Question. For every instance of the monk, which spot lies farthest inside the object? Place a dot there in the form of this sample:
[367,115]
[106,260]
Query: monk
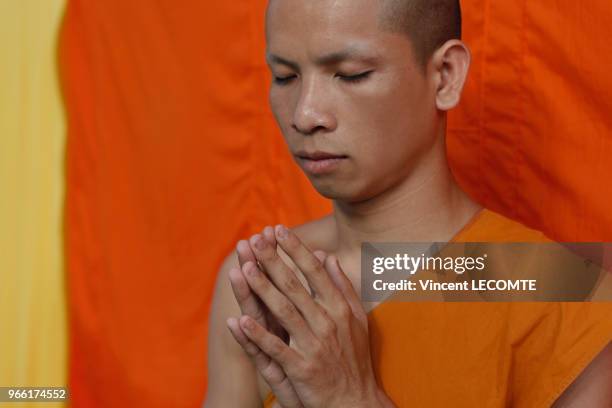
[360,91]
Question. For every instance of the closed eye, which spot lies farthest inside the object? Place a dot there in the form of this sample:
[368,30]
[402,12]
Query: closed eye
[354,78]
[346,78]
[283,80]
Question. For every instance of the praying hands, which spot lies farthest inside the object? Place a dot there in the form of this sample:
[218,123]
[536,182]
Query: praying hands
[312,350]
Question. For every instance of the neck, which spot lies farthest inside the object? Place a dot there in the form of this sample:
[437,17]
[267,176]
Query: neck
[427,206]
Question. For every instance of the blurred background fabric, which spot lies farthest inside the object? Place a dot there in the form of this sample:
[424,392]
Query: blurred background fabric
[531,138]
[32,135]
[172,155]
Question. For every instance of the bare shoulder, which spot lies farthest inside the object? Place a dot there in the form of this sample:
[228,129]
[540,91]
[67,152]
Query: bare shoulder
[318,234]
[592,387]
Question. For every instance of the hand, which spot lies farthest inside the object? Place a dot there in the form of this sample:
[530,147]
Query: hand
[328,361]
[251,306]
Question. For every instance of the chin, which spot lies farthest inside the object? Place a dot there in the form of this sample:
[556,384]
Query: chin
[329,190]
[340,191]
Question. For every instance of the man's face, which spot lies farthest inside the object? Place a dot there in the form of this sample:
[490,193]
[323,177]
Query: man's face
[342,86]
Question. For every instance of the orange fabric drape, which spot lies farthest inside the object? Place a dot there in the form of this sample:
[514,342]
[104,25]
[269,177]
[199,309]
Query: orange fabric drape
[173,155]
[531,137]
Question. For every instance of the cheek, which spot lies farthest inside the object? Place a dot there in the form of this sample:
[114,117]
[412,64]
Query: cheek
[391,108]
[405,115]
[391,132]
[280,106]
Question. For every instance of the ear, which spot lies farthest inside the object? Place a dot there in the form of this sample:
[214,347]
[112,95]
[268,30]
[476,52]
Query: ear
[450,64]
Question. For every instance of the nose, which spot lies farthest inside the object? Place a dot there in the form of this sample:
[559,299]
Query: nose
[313,109]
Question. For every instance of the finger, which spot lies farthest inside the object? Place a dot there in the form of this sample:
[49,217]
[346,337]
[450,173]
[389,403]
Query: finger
[269,369]
[281,307]
[285,280]
[321,255]
[270,344]
[249,347]
[268,234]
[247,301]
[243,249]
[343,283]
[308,263]
[250,305]
[245,254]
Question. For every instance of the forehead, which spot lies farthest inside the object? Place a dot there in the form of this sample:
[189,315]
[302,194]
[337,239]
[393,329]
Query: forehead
[321,25]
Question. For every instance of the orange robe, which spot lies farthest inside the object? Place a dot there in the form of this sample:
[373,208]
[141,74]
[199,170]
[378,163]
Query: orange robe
[478,354]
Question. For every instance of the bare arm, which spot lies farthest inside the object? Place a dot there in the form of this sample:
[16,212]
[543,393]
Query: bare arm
[232,379]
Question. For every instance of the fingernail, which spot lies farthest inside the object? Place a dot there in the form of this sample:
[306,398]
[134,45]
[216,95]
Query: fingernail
[248,324]
[252,270]
[259,243]
[240,246]
[282,232]
[233,274]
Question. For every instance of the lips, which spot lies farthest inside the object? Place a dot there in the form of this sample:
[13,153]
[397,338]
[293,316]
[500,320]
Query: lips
[319,155]
[318,163]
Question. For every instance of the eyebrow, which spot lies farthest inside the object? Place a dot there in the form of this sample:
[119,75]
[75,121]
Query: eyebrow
[333,58]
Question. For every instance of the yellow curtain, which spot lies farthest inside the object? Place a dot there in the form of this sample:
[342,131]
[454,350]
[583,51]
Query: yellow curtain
[32,135]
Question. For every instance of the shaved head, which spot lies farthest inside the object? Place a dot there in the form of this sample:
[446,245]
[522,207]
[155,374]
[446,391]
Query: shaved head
[428,23]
